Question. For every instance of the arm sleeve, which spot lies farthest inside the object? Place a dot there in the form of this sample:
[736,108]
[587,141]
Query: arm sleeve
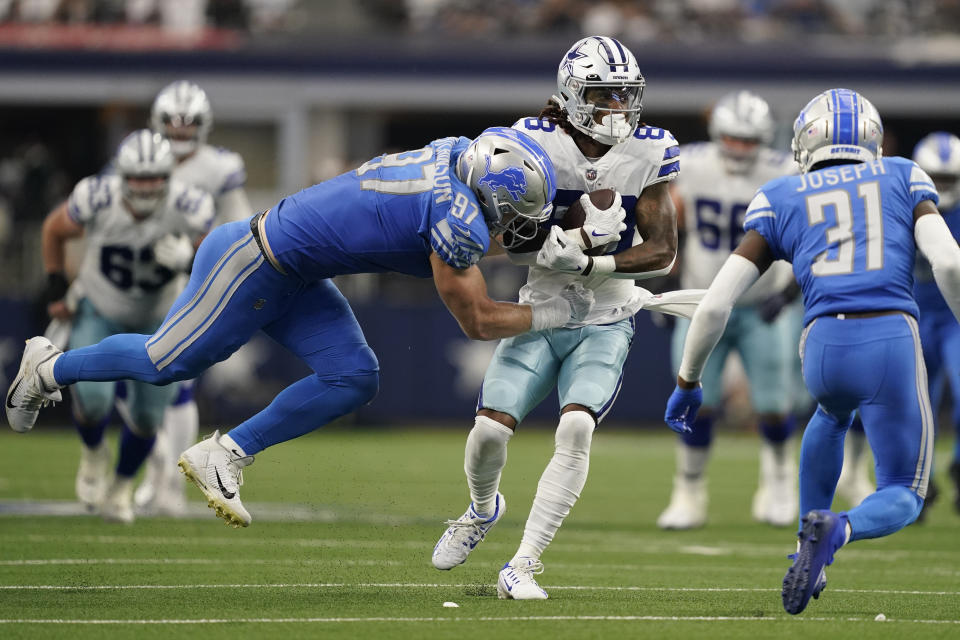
[941,249]
[735,276]
[761,217]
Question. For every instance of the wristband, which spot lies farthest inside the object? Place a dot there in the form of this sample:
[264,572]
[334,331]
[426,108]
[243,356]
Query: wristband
[57,286]
[600,264]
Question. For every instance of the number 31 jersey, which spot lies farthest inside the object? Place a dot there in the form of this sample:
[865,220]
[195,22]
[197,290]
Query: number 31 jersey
[848,230]
[118,274]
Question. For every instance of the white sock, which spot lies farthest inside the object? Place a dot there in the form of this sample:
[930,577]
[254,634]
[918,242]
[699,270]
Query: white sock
[692,461]
[181,424]
[45,371]
[230,445]
[848,530]
[560,484]
[483,459]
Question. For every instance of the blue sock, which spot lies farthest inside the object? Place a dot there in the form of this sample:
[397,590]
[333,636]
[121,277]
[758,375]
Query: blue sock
[886,511]
[92,435]
[305,405]
[821,459]
[134,449]
[777,432]
[702,434]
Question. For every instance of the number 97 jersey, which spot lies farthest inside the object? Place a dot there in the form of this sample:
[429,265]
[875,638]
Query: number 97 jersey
[119,275]
[848,230]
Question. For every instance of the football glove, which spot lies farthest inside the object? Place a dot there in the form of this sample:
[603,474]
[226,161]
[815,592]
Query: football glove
[572,305]
[602,226]
[174,251]
[559,253]
[682,407]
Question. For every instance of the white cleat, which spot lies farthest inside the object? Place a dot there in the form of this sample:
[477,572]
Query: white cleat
[27,395]
[93,475]
[776,501]
[217,472]
[464,534]
[688,505]
[516,581]
[117,505]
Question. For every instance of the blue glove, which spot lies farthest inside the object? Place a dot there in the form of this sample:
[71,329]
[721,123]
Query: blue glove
[682,409]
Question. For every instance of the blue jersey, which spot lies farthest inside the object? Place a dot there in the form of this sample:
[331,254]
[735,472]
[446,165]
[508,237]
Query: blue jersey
[848,231]
[387,215]
[925,289]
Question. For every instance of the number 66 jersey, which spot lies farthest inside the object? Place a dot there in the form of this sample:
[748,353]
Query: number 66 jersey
[848,230]
[119,275]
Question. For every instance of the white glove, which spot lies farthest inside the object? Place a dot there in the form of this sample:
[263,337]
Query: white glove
[173,251]
[572,305]
[561,254]
[602,226]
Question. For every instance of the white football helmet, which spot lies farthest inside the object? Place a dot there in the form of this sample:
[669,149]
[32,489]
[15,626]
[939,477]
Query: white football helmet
[938,154]
[599,76]
[144,164]
[181,112]
[514,182]
[838,124]
[740,123]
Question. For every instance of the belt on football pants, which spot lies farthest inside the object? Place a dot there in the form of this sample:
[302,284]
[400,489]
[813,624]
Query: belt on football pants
[853,315]
[256,229]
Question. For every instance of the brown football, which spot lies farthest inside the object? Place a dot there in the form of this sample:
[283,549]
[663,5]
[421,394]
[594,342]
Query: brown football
[574,216]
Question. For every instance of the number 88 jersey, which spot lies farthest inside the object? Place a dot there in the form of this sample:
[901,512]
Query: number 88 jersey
[118,274]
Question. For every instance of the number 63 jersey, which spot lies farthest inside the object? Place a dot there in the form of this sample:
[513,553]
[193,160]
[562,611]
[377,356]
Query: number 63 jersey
[848,230]
[118,274]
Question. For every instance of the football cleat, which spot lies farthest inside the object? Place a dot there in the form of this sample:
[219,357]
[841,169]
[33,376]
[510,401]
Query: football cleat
[93,475]
[516,581]
[217,472]
[822,532]
[117,505]
[27,395]
[688,505]
[775,501]
[464,534]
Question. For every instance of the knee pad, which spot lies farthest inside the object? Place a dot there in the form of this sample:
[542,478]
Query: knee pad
[575,432]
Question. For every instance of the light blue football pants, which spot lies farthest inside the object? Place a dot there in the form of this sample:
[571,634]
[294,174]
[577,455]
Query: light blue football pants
[232,293]
[585,364]
[874,365]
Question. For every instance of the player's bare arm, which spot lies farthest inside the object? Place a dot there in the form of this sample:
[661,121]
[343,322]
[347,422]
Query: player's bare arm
[58,227]
[656,218]
[464,292]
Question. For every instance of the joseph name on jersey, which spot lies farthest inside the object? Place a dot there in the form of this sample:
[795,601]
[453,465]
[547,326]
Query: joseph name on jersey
[848,230]
[215,170]
[715,203]
[118,274]
[386,215]
[649,156]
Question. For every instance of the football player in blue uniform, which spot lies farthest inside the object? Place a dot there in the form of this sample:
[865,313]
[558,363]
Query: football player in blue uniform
[939,155]
[426,212]
[850,224]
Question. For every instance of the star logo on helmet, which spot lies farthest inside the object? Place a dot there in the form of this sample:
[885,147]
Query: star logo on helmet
[572,56]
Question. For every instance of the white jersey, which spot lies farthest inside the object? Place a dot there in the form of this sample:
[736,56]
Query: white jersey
[219,172]
[118,274]
[649,156]
[714,204]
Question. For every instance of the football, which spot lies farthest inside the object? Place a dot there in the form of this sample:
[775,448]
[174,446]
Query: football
[575,216]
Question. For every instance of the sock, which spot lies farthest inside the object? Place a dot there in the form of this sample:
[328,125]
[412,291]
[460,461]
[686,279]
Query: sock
[228,443]
[561,482]
[45,371]
[692,461]
[484,458]
[134,449]
[92,435]
[181,425]
[702,435]
[777,431]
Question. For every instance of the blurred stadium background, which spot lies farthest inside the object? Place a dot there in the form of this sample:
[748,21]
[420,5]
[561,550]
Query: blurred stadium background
[305,89]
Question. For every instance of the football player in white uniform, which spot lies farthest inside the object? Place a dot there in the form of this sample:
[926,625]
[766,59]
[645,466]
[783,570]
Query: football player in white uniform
[181,112]
[141,227]
[590,131]
[719,180]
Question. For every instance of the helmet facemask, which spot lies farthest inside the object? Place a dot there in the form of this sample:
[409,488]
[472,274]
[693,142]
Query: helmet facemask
[144,164]
[181,112]
[741,124]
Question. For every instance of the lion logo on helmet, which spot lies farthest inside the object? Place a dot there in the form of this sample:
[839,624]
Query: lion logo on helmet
[510,178]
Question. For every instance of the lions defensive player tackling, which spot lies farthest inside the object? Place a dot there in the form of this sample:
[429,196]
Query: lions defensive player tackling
[128,279]
[590,132]
[718,181]
[850,224]
[429,211]
[181,113]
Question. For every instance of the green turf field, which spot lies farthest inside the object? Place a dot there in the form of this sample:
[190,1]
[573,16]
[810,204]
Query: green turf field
[365,507]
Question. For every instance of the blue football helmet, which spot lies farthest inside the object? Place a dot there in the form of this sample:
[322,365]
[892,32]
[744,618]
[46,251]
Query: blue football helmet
[838,124]
[514,182]
[938,154]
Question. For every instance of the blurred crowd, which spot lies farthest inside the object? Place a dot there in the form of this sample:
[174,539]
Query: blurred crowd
[633,20]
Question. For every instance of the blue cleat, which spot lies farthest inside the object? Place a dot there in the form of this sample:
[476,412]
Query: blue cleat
[821,534]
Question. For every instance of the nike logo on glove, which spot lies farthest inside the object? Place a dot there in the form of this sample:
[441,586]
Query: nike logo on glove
[597,235]
[10,405]
[226,494]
